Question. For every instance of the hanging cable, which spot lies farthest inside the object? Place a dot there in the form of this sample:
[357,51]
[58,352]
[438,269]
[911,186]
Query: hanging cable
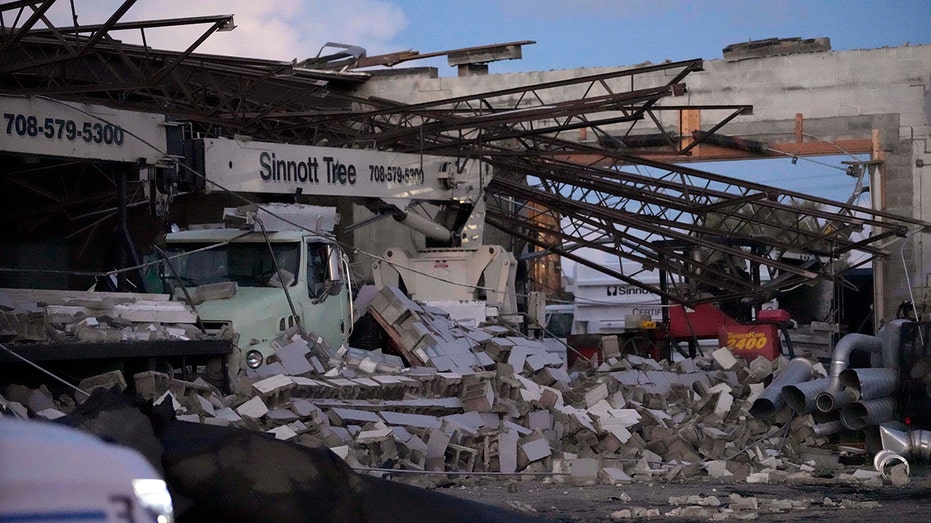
[42,370]
[281,280]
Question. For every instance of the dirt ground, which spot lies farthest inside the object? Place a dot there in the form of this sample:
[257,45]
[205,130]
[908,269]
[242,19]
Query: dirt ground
[825,500]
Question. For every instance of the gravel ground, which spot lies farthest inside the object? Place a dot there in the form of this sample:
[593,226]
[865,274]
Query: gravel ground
[818,500]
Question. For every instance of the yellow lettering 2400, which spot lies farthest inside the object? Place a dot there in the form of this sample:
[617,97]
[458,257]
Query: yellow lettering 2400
[746,341]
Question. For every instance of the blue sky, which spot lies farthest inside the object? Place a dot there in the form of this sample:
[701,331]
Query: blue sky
[568,33]
[586,33]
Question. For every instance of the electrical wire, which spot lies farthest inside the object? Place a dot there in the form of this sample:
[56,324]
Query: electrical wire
[40,369]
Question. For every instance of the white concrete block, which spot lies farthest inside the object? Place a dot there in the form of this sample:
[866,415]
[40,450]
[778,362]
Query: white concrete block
[255,408]
[536,449]
[507,451]
[273,384]
[283,432]
[725,358]
[228,414]
[50,413]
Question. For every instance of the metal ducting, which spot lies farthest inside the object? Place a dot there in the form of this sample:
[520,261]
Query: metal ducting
[864,413]
[801,396]
[798,370]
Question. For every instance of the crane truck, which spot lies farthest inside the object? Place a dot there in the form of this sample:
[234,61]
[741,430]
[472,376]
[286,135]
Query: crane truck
[309,269]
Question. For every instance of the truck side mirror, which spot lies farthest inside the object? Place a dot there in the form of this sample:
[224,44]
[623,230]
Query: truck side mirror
[334,287]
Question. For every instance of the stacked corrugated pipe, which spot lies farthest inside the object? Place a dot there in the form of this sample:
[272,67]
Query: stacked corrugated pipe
[851,399]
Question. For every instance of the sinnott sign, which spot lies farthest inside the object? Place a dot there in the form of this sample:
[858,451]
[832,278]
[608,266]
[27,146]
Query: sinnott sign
[261,167]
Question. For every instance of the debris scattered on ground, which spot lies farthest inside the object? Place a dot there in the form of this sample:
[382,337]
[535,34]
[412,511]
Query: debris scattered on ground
[488,400]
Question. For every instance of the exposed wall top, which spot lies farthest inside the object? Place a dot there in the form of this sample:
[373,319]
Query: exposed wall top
[774,47]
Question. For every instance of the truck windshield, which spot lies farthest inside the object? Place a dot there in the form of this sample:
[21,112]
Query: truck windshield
[247,264]
[559,324]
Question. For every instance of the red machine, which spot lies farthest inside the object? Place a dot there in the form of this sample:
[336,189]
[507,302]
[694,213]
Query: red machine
[751,341]
[748,341]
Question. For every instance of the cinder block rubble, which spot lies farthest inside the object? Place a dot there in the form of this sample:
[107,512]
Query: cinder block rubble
[486,399]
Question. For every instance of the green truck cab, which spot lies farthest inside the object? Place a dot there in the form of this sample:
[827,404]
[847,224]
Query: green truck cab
[260,283]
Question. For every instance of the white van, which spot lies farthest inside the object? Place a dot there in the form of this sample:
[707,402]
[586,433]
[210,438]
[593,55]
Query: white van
[51,472]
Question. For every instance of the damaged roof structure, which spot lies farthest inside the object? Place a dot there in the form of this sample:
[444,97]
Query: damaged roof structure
[676,219]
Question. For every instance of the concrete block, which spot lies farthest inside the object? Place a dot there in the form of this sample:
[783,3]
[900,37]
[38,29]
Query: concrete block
[283,432]
[345,453]
[227,414]
[17,393]
[216,422]
[517,356]
[507,450]
[367,365]
[469,424]
[596,394]
[40,399]
[461,458]
[417,451]
[19,410]
[107,380]
[410,420]
[610,347]
[275,390]
[758,477]
[437,442]
[213,291]
[540,419]
[412,332]
[281,416]
[369,436]
[761,367]
[534,447]
[723,403]
[168,396]
[272,385]
[725,358]
[200,405]
[341,416]
[867,476]
[294,358]
[738,502]
[584,471]
[556,373]
[303,407]
[717,469]
[150,384]
[254,408]
[443,363]
[614,476]
[477,396]
[690,513]
[484,360]
[535,362]
[50,413]
[550,397]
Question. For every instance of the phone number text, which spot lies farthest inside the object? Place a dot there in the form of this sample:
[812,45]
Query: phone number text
[61,129]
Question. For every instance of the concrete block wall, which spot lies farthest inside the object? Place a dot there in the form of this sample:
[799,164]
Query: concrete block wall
[819,85]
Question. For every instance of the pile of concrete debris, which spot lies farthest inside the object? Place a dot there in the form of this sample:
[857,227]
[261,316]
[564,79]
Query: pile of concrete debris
[486,399]
[28,315]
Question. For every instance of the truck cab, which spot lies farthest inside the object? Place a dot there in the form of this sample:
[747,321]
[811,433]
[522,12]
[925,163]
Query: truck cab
[274,280]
